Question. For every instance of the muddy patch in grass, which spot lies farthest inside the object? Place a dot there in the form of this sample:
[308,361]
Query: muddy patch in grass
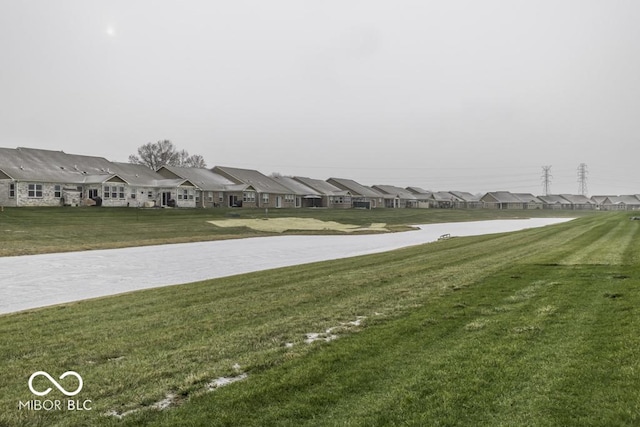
[172,399]
[328,334]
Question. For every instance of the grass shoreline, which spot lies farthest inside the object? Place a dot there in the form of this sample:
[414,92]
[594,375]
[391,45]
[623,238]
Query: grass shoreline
[28,231]
[485,330]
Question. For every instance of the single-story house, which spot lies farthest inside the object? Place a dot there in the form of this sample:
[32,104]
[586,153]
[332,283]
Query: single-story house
[579,202]
[149,188]
[306,197]
[599,200]
[361,195]
[468,200]
[444,200]
[331,196]
[421,195]
[501,200]
[210,188]
[621,203]
[254,189]
[529,201]
[34,177]
[396,197]
[555,201]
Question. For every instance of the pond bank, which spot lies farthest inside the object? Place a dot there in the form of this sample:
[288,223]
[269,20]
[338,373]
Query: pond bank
[33,281]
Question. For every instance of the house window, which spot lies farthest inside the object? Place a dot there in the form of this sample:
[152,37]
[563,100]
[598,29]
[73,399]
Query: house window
[265,197]
[12,190]
[35,191]
[113,192]
[183,195]
[249,196]
[221,197]
[93,193]
[57,191]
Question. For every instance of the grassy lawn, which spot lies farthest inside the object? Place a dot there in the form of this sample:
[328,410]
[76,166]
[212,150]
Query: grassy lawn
[40,230]
[537,327]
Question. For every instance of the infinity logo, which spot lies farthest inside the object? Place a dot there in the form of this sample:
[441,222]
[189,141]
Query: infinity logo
[55,383]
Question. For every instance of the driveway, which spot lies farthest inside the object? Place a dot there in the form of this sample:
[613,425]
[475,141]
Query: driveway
[32,281]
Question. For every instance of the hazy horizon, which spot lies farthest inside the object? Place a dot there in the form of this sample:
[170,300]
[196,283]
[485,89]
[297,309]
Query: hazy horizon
[444,95]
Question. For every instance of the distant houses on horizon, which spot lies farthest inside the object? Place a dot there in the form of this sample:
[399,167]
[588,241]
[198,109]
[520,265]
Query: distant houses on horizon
[35,177]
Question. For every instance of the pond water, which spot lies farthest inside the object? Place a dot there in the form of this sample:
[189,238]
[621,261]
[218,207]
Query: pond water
[40,280]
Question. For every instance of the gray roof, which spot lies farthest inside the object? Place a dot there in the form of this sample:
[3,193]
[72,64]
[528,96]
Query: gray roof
[29,164]
[203,178]
[445,196]
[420,193]
[578,199]
[554,199]
[467,197]
[101,179]
[394,191]
[296,187]
[260,182]
[142,176]
[504,197]
[418,190]
[623,200]
[322,187]
[355,188]
[600,199]
[528,198]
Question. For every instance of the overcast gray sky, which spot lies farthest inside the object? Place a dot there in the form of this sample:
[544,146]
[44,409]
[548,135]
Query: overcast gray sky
[471,95]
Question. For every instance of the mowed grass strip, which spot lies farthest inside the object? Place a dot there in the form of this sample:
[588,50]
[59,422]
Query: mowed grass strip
[557,357]
[470,331]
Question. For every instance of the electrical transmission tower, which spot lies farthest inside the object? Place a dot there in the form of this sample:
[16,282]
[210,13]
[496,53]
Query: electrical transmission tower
[546,179]
[582,179]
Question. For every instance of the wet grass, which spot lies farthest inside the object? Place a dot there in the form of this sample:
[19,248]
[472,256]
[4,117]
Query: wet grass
[525,328]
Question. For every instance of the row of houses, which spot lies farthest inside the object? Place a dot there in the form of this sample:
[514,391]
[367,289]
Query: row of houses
[34,177]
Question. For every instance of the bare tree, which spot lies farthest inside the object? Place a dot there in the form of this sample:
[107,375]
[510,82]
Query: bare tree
[195,161]
[279,175]
[161,153]
[182,157]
